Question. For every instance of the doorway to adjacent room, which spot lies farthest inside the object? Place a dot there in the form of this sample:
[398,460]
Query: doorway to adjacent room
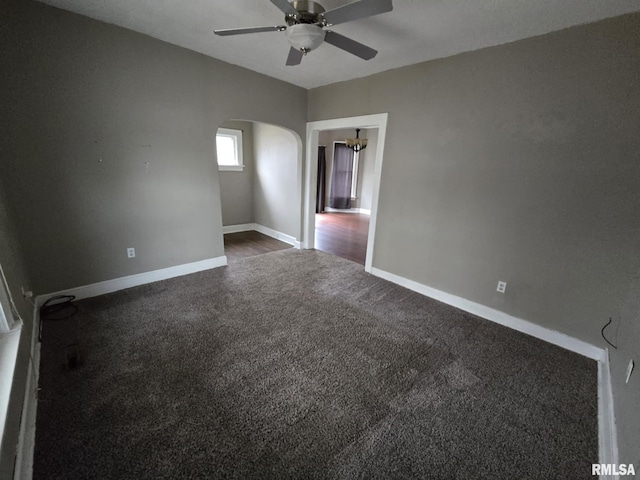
[347,232]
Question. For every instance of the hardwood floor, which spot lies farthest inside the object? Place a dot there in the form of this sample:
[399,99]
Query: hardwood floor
[343,234]
[247,244]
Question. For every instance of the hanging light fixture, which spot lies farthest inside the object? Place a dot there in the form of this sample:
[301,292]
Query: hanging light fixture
[305,37]
[356,144]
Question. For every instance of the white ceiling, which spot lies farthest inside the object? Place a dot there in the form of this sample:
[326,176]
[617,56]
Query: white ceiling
[415,31]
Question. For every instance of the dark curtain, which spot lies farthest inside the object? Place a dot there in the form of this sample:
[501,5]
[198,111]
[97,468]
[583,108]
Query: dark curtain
[321,191]
[340,195]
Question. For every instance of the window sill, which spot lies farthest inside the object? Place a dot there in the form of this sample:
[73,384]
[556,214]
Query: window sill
[231,168]
[8,354]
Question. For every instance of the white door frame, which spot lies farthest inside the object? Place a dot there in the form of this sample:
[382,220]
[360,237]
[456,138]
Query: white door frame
[378,121]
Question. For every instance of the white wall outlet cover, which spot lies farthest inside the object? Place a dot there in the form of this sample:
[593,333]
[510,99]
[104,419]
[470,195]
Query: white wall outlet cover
[131,252]
[629,370]
[502,286]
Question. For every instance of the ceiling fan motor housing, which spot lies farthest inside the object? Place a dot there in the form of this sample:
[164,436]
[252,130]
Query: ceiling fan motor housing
[308,12]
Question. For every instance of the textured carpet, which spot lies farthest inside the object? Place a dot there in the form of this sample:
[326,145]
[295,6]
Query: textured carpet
[297,364]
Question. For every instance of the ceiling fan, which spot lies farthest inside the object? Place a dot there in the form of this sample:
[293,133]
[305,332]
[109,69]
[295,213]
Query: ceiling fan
[305,26]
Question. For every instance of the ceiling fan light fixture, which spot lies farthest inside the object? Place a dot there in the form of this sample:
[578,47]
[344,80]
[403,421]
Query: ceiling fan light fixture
[305,37]
[356,144]
[306,20]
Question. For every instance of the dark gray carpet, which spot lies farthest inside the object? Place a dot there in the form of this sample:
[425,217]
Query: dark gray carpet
[297,364]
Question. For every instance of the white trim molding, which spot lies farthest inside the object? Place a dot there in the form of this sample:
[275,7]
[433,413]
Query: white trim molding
[379,121]
[26,445]
[363,211]
[238,158]
[9,343]
[607,434]
[116,284]
[243,227]
[231,168]
[270,232]
[27,437]
[488,313]
[283,237]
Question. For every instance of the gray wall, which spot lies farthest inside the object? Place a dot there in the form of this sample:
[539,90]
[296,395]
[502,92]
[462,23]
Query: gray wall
[516,163]
[267,191]
[108,144]
[277,180]
[366,162]
[236,188]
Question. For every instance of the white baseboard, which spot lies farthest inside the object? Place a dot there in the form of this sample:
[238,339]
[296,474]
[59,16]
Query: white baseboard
[26,444]
[243,227]
[116,284]
[27,439]
[247,227]
[364,211]
[607,434]
[277,235]
[524,326]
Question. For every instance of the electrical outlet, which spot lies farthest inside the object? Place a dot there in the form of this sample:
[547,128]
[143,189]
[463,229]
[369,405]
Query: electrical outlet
[502,286]
[131,252]
[629,370]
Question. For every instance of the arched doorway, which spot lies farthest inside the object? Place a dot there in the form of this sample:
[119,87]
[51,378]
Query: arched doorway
[260,189]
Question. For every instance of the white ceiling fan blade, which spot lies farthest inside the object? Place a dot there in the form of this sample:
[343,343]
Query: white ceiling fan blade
[355,48]
[285,6]
[356,11]
[295,57]
[241,31]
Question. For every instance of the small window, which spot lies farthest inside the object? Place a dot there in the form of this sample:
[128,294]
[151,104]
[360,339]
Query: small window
[229,149]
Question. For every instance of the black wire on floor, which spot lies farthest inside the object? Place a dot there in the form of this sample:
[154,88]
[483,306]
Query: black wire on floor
[62,309]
